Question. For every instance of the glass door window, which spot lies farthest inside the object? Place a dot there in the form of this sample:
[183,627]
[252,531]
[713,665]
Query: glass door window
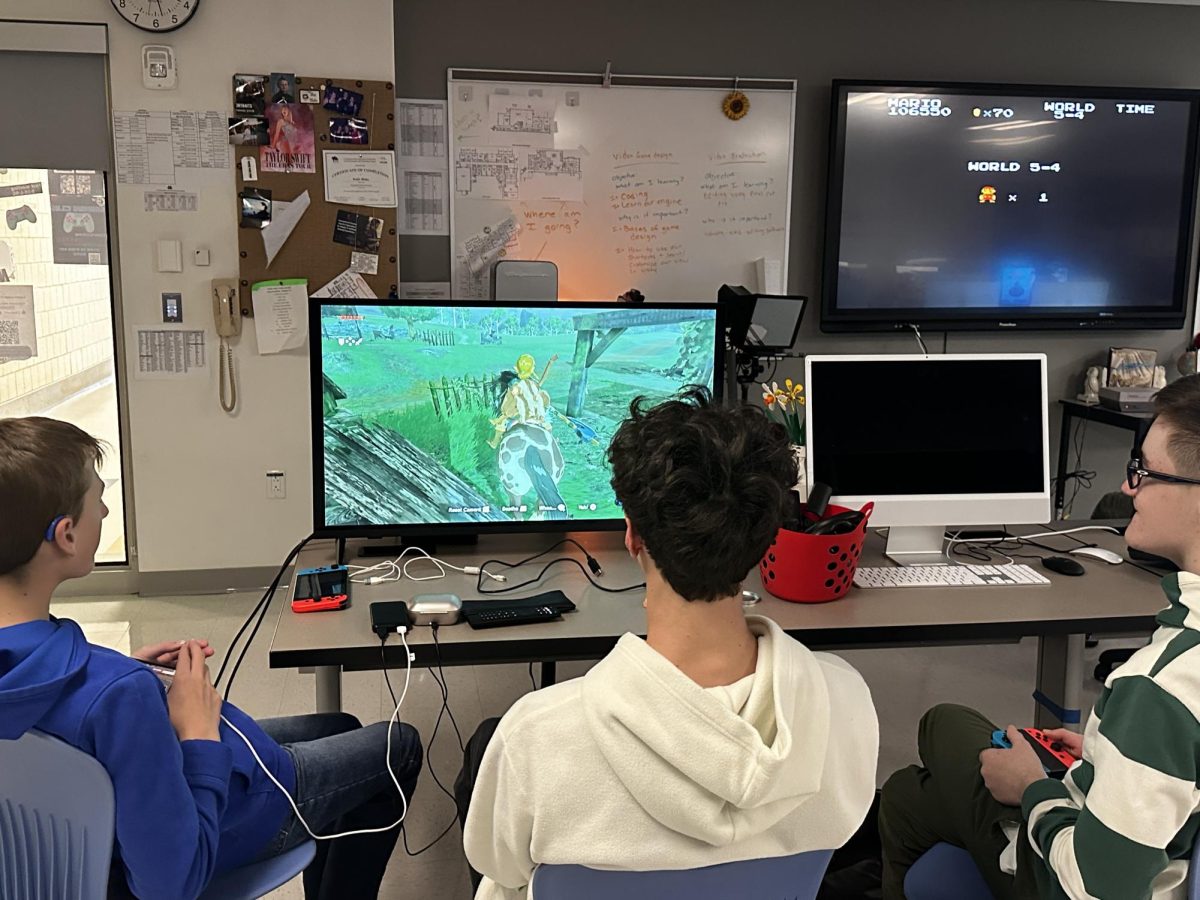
[57,343]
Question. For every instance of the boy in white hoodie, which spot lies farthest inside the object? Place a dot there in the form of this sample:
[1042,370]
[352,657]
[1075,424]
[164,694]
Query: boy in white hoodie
[718,737]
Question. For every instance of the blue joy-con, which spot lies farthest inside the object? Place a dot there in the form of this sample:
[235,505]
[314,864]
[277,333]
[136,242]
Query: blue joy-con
[1000,739]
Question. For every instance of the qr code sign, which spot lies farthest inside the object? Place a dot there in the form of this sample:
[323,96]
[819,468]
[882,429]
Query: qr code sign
[94,258]
[10,332]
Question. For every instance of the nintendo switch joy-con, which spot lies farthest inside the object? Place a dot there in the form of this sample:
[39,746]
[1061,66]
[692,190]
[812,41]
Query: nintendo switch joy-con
[318,590]
[1051,754]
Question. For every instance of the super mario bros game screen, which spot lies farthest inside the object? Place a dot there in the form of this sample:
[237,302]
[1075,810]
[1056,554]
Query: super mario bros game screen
[950,199]
[490,414]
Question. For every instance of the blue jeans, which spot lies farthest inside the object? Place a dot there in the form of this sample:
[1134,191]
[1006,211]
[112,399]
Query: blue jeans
[342,784]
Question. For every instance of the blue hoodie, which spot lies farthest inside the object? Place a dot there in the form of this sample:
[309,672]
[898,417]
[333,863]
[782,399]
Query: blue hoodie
[185,811]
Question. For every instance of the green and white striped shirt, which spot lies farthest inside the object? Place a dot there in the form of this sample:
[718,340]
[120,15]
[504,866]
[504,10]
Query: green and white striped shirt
[1123,822]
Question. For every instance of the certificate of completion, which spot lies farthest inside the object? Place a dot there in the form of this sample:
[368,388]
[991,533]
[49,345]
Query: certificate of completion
[360,177]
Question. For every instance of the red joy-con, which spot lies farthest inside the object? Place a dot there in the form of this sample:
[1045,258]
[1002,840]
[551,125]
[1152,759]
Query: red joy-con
[319,604]
[1052,753]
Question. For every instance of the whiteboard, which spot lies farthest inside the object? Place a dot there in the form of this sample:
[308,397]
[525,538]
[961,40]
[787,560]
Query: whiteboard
[628,186]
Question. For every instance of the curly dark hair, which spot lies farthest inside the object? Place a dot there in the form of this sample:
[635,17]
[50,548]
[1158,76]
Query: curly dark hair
[705,486]
[1178,405]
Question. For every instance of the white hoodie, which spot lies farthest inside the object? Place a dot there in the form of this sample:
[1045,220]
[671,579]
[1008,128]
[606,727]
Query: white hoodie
[636,767]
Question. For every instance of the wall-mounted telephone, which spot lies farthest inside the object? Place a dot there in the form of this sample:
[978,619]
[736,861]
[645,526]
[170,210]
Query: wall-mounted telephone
[226,309]
[227,313]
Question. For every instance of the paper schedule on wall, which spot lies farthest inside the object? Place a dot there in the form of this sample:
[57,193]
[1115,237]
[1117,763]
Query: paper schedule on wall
[636,185]
[280,314]
[422,167]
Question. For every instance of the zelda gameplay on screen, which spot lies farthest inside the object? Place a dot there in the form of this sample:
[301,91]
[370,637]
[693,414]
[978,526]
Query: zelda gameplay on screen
[491,414]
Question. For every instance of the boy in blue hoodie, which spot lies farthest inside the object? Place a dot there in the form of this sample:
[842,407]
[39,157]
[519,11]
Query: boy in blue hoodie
[191,801]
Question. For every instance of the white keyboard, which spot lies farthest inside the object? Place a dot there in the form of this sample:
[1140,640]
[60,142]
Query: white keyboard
[945,576]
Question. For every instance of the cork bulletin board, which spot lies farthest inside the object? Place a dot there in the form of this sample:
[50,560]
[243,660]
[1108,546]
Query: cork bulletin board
[310,251]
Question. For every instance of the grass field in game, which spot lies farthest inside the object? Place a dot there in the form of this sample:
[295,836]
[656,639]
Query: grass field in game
[431,375]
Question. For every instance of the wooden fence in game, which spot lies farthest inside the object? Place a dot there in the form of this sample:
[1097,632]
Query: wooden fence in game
[452,396]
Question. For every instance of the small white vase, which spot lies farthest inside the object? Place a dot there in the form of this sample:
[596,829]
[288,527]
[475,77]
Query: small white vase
[801,455]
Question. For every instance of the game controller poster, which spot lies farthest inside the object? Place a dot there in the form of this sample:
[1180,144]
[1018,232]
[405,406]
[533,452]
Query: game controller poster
[79,225]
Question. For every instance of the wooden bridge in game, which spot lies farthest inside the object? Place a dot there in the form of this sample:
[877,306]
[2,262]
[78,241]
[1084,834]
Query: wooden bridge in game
[596,332]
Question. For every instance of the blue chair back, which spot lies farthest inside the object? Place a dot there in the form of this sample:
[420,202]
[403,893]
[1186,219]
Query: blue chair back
[260,878]
[1193,881]
[56,821]
[780,878]
[945,872]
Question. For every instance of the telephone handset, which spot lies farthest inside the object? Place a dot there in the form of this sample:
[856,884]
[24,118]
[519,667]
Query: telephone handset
[227,313]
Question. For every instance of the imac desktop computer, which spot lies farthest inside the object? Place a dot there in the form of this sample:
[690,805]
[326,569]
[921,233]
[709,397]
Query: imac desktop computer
[435,420]
[934,441]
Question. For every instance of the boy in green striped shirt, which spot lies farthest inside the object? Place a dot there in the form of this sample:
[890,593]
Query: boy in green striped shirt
[1123,822]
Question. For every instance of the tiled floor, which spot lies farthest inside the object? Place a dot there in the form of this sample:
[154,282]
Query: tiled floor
[995,678]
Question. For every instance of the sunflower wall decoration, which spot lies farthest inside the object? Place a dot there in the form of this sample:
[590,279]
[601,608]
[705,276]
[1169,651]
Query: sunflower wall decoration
[735,105]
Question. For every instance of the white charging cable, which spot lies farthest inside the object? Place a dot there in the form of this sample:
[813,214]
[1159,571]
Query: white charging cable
[394,719]
[394,571]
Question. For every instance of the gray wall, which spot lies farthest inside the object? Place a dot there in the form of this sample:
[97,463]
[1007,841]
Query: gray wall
[1040,41]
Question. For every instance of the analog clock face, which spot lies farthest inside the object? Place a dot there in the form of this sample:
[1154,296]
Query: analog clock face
[157,15]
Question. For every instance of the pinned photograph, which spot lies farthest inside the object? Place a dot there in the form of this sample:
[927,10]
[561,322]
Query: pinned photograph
[363,233]
[342,100]
[283,87]
[249,94]
[256,207]
[348,130]
[290,142]
[250,131]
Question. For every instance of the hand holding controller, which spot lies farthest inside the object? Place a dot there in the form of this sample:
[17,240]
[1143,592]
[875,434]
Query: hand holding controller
[1052,753]
[193,703]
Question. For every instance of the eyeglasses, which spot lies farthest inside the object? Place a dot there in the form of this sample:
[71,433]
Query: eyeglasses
[1135,472]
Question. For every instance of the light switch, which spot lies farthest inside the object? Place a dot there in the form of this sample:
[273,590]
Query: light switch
[203,257]
[170,256]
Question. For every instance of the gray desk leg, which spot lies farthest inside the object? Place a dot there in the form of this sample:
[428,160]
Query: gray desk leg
[1059,681]
[329,688]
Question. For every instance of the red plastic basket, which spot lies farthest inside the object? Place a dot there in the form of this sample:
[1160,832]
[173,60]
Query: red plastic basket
[814,568]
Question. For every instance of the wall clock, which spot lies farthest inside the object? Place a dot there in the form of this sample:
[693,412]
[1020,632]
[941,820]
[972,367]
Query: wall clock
[156,15]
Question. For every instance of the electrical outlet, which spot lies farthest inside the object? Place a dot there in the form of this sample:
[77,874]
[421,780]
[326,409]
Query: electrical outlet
[276,485]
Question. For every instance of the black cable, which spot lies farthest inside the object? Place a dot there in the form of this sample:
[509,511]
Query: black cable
[437,646]
[1080,477]
[532,680]
[508,589]
[261,609]
[429,753]
[592,563]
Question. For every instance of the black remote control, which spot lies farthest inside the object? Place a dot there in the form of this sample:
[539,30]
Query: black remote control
[512,615]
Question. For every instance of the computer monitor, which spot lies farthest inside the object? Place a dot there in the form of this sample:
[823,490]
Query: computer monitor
[460,417]
[934,441]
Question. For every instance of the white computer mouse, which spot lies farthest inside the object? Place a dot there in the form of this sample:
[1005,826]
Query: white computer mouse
[1109,556]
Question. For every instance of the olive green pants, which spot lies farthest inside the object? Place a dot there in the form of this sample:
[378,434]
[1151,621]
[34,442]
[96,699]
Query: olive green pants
[945,800]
